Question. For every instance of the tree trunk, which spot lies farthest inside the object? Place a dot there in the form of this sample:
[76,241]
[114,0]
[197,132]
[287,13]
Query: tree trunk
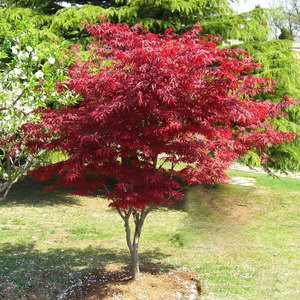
[135,264]
[133,243]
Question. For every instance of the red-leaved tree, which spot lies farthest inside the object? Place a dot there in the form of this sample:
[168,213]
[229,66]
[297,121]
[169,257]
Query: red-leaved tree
[148,100]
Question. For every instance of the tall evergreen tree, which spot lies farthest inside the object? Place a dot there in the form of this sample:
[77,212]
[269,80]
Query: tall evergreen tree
[160,15]
[279,62]
[248,26]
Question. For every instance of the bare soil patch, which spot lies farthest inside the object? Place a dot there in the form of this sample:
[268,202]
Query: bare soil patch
[116,283]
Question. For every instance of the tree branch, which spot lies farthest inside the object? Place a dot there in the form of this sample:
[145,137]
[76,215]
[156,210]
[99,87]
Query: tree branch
[106,188]
[121,214]
[151,207]
[155,162]
[15,101]
[127,214]
[12,182]
[3,186]
[162,164]
[184,187]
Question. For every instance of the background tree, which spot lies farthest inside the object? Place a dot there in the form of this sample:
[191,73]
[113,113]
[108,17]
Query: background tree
[46,6]
[173,95]
[278,61]
[65,25]
[216,18]
[154,15]
[285,17]
[285,34]
[27,81]
[10,18]
[246,27]
[160,15]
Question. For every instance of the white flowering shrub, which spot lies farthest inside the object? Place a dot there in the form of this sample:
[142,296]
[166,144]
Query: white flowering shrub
[28,77]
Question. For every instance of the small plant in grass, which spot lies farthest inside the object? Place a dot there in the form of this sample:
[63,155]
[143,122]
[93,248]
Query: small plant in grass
[173,97]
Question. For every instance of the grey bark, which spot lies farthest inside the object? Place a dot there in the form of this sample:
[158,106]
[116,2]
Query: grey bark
[133,241]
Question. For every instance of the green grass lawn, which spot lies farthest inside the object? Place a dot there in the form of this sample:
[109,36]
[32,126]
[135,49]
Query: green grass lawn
[242,242]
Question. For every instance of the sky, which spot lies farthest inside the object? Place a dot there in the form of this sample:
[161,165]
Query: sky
[247,5]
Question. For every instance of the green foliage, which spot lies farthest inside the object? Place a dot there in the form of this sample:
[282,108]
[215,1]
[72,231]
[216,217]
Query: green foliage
[286,34]
[46,6]
[10,18]
[160,15]
[68,22]
[249,26]
[156,16]
[279,62]
[287,155]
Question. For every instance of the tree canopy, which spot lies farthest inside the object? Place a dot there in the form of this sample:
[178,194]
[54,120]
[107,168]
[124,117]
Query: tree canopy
[248,26]
[160,15]
[154,15]
[148,100]
[215,16]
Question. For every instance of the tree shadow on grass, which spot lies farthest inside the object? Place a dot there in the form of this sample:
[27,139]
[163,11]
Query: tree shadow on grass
[209,196]
[29,273]
[31,192]
[180,205]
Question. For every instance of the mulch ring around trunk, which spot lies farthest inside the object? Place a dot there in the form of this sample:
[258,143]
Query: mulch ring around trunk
[116,283]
